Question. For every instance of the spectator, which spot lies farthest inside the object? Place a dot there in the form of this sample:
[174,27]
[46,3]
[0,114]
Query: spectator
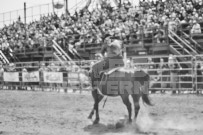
[53,68]
[12,68]
[173,66]
[196,29]
[90,27]
[25,84]
[98,56]
[42,69]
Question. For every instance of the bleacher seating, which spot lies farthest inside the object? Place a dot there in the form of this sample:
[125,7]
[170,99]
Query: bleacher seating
[139,26]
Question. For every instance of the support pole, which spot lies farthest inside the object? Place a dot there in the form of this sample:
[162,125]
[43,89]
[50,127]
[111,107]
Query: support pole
[66,8]
[25,17]
[120,3]
[53,6]
[25,12]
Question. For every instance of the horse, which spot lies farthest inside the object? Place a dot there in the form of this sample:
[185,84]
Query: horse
[120,82]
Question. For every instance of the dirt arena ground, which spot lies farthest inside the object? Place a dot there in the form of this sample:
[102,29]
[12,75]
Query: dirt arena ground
[51,113]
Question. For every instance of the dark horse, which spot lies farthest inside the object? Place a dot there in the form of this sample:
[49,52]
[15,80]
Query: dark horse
[121,82]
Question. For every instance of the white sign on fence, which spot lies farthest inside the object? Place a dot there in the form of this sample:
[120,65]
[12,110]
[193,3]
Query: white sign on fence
[11,76]
[30,76]
[53,77]
[73,75]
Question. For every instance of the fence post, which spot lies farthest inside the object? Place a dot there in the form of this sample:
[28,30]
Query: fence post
[66,8]
[25,12]
[25,20]
[166,37]
[80,80]
[195,86]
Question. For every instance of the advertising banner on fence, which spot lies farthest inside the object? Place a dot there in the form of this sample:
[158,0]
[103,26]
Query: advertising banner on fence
[72,75]
[30,76]
[53,77]
[11,76]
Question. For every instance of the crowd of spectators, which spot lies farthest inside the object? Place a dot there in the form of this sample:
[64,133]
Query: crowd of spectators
[126,22]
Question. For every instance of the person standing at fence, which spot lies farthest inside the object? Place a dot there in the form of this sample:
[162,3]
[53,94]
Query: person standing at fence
[151,67]
[163,71]
[25,84]
[42,69]
[53,68]
[1,76]
[174,67]
[65,69]
[12,68]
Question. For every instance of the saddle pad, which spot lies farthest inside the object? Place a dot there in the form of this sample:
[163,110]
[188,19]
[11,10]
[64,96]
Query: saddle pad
[123,71]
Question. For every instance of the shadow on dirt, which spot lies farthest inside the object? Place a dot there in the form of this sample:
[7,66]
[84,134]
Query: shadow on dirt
[99,129]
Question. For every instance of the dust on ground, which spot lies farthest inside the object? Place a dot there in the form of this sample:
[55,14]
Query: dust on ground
[51,113]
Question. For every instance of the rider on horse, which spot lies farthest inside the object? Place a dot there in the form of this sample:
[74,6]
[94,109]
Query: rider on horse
[132,83]
[113,58]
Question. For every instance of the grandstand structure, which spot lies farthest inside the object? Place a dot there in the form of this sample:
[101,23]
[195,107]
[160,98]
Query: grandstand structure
[79,34]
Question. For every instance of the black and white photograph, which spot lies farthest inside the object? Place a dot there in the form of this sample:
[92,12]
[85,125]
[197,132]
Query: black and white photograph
[101,67]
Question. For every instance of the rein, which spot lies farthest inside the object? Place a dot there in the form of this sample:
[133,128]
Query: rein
[105,101]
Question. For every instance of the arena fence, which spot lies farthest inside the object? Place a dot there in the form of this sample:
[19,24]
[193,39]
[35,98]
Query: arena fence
[186,75]
[177,75]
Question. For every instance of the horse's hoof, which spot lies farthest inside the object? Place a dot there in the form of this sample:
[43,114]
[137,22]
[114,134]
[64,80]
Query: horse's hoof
[89,117]
[96,122]
[120,124]
[130,121]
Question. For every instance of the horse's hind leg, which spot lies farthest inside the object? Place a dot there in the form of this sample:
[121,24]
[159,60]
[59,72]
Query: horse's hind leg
[136,98]
[126,101]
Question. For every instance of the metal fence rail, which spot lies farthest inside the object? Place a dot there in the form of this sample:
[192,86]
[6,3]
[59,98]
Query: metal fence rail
[186,77]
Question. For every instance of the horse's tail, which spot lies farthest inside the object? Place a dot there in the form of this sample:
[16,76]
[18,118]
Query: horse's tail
[145,99]
[145,94]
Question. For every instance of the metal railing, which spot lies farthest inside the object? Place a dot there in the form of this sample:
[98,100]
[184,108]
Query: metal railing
[163,76]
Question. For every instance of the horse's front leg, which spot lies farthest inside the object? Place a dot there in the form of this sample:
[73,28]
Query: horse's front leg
[91,114]
[97,98]
[94,95]
[96,107]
